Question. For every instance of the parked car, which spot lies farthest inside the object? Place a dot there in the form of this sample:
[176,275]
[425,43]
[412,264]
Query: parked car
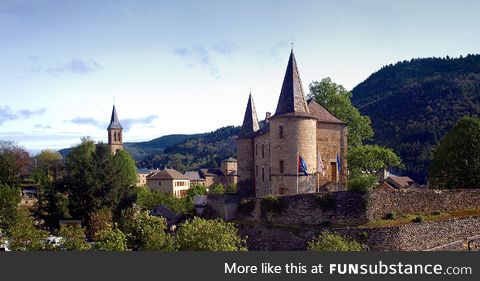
[4,246]
[53,241]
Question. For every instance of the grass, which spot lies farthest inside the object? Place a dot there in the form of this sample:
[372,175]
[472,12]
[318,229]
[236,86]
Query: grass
[410,218]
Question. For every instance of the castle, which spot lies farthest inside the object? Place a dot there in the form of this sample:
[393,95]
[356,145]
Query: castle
[300,149]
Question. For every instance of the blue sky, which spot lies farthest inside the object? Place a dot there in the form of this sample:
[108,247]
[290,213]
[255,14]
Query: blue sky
[188,66]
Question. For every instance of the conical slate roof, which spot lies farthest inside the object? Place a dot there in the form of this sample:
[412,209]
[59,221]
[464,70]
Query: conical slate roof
[292,99]
[114,123]
[250,121]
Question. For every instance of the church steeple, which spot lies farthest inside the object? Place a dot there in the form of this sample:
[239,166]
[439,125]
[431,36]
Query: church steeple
[115,132]
[114,123]
[292,97]
[250,120]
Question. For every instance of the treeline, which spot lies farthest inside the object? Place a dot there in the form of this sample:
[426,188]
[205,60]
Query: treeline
[412,104]
[203,151]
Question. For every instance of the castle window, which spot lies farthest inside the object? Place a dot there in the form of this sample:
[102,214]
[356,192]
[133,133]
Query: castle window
[256,170]
[263,174]
[270,173]
[115,136]
[281,166]
[263,151]
[280,132]
[256,149]
[268,149]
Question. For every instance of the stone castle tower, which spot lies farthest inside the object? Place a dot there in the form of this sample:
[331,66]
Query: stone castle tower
[268,151]
[115,133]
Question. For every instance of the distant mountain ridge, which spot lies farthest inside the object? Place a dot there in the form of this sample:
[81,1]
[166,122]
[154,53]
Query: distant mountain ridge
[184,152]
[412,104]
[140,150]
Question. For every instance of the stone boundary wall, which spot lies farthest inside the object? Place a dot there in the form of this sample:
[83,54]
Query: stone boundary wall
[415,236]
[420,201]
[341,208]
[409,237]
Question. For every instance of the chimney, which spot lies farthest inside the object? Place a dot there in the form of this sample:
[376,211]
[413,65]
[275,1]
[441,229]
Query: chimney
[267,116]
[383,174]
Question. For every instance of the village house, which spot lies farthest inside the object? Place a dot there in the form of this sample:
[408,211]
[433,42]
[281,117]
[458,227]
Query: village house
[225,175]
[169,181]
[142,174]
[195,178]
[300,149]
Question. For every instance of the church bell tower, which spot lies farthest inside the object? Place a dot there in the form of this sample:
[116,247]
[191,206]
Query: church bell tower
[115,133]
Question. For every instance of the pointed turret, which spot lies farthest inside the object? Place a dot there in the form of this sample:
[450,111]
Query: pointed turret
[114,123]
[292,98]
[250,121]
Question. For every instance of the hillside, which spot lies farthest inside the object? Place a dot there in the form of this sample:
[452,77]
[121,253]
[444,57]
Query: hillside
[198,151]
[140,150]
[412,104]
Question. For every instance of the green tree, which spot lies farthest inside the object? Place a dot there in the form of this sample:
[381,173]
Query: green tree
[9,200]
[95,179]
[362,183]
[52,200]
[370,159]
[196,189]
[110,240]
[24,235]
[231,188]
[149,199]
[216,189]
[337,100]
[456,161]
[209,235]
[74,237]
[48,166]
[145,232]
[330,242]
[100,220]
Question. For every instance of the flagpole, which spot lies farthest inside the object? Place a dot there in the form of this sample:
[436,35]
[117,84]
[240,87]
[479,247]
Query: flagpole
[298,163]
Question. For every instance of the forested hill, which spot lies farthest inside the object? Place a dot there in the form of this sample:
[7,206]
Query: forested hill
[412,104]
[199,151]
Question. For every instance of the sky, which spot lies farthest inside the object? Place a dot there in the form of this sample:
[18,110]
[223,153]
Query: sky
[181,67]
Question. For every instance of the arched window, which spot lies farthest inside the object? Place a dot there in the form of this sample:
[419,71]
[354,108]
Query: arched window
[114,136]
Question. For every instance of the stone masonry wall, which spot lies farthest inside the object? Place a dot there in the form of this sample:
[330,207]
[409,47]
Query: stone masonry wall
[352,208]
[415,236]
[420,201]
[409,237]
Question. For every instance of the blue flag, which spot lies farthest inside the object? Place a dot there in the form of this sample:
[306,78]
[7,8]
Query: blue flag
[339,163]
[302,166]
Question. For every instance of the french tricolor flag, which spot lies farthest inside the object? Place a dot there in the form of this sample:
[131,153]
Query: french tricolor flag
[301,165]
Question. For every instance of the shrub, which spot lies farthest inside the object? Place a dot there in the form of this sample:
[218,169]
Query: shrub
[231,188]
[100,220]
[145,232]
[362,183]
[110,240]
[332,242]
[272,203]
[419,219]
[74,237]
[391,216]
[208,235]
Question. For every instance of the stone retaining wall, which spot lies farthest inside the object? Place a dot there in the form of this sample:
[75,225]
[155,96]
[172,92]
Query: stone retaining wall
[342,208]
[409,237]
